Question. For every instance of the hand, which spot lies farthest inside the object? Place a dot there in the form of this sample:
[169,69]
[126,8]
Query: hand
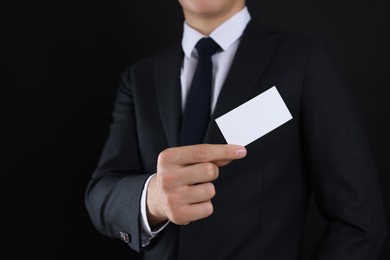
[182,189]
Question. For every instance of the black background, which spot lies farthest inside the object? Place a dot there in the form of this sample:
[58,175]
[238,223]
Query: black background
[60,65]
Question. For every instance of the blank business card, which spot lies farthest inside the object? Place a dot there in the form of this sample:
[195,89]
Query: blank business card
[254,118]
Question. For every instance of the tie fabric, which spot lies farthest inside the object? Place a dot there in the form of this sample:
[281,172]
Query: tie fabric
[196,114]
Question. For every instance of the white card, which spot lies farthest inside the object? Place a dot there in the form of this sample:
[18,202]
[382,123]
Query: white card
[255,118]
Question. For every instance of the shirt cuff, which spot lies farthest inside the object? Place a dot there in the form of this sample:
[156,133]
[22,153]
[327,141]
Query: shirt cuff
[147,234]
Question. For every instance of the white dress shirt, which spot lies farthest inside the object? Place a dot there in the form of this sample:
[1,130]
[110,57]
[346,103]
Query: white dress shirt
[227,36]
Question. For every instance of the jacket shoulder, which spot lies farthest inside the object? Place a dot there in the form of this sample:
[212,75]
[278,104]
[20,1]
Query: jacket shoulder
[172,50]
[290,40]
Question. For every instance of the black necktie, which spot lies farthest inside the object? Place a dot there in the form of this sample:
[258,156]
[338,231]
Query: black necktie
[197,109]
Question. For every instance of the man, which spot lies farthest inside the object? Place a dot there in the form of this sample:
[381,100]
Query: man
[170,198]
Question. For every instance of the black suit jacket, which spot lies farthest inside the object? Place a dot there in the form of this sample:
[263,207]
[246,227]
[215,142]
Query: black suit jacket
[261,201]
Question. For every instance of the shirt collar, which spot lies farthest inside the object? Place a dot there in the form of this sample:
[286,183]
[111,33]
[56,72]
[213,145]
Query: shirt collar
[225,34]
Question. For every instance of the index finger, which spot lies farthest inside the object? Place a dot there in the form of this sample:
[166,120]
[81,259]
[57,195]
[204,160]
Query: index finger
[201,153]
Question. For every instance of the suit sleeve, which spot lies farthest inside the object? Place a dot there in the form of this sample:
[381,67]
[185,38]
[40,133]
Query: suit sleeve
[114,191]
[340,164]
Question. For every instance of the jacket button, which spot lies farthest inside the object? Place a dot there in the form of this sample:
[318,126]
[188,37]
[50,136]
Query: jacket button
[125,237]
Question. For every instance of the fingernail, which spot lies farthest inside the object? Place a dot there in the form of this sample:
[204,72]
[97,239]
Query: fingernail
[241,153]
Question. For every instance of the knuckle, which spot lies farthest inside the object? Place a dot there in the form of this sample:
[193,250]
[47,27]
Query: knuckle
[227,152]
[211,190]
[208,209]
[200,152]
[165,156]
[211,171]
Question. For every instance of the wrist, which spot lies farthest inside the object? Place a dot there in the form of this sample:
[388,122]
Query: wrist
[154,212]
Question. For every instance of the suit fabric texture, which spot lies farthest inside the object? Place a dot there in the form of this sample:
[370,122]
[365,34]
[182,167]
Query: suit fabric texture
[261,201]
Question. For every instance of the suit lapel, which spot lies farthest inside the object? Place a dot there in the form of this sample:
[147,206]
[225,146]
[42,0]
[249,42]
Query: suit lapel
[252,57]
[166,69]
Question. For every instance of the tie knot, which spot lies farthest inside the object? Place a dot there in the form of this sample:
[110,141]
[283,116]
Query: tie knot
[207,46]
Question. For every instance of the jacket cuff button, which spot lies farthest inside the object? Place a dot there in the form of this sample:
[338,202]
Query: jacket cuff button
[125,237]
